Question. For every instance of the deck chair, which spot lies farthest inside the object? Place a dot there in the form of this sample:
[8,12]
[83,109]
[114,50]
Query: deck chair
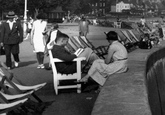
[57,77]
[130,32]
[76,42]
[7,107]
[13,101]
[124,32]
[101,51]
[123,39]
[137,34]
[6,83]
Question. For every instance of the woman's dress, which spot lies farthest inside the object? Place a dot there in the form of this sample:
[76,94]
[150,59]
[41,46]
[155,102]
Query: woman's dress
[39,27]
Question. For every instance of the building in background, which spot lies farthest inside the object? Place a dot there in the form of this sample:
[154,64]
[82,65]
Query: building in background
[56,15]
[118,7]
[98,7]
[122,6]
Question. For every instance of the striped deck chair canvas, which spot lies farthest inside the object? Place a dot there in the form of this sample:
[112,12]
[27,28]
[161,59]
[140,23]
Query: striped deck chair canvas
[121,37]
[124,32]
[77,41]
[70,48]
[73,45]
[101,51]
[135,39]
[86,42]
[120,40]
[137,34]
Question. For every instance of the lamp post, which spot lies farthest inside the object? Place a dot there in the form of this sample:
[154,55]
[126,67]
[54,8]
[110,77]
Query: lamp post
[25,18]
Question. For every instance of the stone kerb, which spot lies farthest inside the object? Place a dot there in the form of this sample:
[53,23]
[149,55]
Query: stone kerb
[125,93]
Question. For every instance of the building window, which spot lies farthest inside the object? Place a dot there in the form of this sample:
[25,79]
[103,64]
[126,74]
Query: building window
[96,4]
[103,11]
[103,4]
[100,4]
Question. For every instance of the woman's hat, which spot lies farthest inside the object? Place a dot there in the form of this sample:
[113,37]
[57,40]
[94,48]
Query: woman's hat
[111,35]
[11,14]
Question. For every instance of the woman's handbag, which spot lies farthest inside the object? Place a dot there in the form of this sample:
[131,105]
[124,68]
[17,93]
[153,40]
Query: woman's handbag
[2,50]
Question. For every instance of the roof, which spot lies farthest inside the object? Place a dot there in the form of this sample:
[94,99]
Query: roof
[58,9]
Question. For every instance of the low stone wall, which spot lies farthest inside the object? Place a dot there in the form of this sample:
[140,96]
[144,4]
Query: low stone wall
[126,93]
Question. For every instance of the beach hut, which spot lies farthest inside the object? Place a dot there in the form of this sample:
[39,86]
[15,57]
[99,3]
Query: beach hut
[56,15]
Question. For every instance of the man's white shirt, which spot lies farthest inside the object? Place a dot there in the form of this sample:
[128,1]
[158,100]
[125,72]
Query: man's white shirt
[11,23]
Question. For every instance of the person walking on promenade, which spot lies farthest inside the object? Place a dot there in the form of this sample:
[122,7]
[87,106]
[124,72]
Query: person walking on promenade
[143,21]
[11,37]
[115,62]
[29,27]
[83,27]
[37,38]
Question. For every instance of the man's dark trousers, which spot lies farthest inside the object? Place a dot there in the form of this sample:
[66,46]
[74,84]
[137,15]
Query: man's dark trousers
[14,50]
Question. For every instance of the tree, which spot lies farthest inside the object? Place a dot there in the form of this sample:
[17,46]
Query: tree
[6,5]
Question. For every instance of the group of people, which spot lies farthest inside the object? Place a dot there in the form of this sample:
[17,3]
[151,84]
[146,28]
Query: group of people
[100,69]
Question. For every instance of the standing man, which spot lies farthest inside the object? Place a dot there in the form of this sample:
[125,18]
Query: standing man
[83,27]
[11,37]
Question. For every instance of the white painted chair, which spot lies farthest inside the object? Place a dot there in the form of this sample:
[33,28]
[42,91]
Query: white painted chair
[58,77]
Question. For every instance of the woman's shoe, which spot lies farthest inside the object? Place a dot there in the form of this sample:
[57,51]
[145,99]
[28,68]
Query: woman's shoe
[84,80]
[39,66]
[42,66]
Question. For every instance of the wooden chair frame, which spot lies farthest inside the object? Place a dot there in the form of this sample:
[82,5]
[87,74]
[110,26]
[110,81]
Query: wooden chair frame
[5,83]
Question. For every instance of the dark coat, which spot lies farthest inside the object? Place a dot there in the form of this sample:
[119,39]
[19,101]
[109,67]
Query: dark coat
[11,36]
[68,66]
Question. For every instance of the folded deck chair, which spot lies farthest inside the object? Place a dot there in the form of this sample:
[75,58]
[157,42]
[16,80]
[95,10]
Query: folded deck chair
[7,107]
[6,83]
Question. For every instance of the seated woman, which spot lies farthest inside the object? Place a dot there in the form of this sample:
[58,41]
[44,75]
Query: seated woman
[115,62]
[59,51]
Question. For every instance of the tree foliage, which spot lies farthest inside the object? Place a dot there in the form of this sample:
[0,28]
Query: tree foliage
[36,6]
